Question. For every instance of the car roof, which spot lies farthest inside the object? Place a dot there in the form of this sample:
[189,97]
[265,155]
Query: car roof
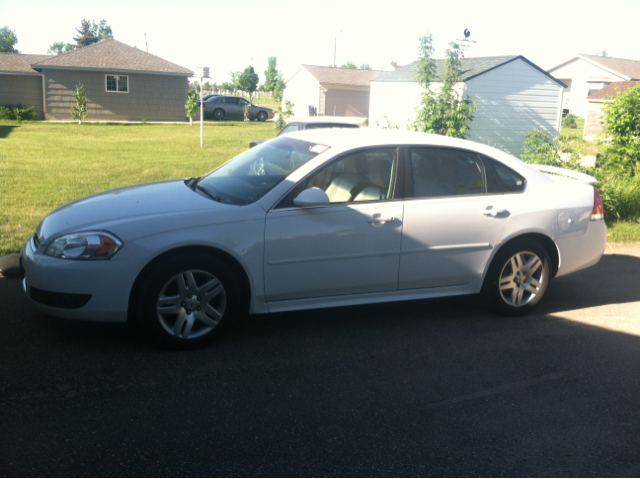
[324,122]
[353,138]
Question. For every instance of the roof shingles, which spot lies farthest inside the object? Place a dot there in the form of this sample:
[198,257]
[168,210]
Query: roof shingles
[343,76]
[19,62]
[629,68]
[610,91]
[111,55]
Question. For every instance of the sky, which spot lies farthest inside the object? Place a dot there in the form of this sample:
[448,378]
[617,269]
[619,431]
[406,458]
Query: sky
[228,35]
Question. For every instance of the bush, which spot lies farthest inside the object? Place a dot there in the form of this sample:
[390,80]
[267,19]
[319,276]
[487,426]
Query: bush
[18,112]
[569,121]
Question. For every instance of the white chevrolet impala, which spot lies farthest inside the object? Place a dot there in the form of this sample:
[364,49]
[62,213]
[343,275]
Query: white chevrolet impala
[311,220]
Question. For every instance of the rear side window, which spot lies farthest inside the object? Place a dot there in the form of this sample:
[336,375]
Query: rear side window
[509,180]
[439,172]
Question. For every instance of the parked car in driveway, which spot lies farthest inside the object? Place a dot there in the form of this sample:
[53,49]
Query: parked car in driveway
[316,219]
[307,125]
[223,107]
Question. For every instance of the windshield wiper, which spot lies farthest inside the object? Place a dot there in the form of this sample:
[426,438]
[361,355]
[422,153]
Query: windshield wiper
[190,182]
[208,193]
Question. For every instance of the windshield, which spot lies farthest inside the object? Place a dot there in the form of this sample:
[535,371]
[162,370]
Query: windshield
[250,175]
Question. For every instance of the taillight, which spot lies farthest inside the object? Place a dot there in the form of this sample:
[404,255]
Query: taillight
[598,209]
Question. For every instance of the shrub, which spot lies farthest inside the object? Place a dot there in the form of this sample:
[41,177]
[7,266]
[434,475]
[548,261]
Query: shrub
[569,121]
[17,112]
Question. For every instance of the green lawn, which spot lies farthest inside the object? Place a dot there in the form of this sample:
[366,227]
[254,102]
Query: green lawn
[574,140]
[46,165]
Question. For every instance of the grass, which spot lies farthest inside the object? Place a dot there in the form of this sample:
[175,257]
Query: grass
[46,165]
[624,232]
[572,138]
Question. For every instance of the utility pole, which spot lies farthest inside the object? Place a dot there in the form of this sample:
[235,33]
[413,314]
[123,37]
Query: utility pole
[146,43]
[204,73]
[335,42]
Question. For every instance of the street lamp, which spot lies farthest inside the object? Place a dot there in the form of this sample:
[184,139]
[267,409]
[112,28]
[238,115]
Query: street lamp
[202,72]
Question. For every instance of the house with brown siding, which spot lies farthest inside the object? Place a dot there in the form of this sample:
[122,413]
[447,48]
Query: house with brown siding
[122,83]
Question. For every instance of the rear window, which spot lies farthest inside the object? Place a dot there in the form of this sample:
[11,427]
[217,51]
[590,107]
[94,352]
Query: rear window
[510,181]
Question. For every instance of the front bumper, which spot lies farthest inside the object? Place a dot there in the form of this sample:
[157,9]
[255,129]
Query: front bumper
[85,290]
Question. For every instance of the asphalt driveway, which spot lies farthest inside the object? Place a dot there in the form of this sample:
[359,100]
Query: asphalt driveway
[421,388]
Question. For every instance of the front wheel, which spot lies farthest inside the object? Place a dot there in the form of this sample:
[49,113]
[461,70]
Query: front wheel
[517,278]
[262,116]
[187,300]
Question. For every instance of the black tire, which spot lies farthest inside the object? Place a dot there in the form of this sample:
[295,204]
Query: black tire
[218,114]
[517,278]
[262,116]
[190,316]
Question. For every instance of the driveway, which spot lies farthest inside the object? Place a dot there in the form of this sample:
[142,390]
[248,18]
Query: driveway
[421,388]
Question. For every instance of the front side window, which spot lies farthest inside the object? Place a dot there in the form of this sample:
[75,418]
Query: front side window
[250,175]
[118,83]
[446,172]
[365,175]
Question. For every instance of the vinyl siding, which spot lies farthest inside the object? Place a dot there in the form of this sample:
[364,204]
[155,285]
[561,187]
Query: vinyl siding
[22,89]
[513,99]
[579,71]
[302,90]
[150,97]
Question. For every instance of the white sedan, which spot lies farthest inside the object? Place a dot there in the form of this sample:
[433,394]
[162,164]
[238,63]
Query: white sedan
[316,219]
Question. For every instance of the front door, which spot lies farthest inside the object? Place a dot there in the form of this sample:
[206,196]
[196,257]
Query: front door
[349,246]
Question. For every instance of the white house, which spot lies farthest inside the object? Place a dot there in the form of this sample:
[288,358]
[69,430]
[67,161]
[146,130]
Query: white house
[586,74]
[593,121]
[328,91]
[512,94]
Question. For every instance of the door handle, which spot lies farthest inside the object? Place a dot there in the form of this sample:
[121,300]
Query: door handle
[380,221]
[494,213]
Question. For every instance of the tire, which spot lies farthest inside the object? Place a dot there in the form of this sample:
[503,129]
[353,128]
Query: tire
[218,114]
[517,278]
[262,116]
[186,301]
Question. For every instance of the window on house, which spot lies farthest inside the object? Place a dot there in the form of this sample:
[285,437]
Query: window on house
[118,83]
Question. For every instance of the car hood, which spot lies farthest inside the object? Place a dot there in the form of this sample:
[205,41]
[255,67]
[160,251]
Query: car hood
[135,211]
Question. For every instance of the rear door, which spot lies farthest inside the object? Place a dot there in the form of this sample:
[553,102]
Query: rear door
[452,219]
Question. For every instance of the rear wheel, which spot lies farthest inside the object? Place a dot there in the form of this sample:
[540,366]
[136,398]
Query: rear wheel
[186,301]
[517,278]
[218,114]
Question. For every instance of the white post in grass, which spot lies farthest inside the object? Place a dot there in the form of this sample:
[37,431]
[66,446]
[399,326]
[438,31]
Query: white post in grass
[204,73]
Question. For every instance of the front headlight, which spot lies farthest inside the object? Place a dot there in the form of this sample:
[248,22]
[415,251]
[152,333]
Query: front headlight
[91,245]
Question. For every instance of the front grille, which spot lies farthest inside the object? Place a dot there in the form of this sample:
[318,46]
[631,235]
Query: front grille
[59,300]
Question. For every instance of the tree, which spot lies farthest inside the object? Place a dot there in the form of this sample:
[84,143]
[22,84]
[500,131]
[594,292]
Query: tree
[395,64]
[207,86]
[192,107]
[364,66]
[248,81]
[227,86]
[101,30]
[86,35]
[79,110]
[284,115]
[271,75]
[234,81]
[8,39]
[56,48]
[622,130]
[441,109]
[278,91]
[349,64]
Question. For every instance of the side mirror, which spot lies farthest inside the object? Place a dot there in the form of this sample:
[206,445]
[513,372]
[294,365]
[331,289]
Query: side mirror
[312,197]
